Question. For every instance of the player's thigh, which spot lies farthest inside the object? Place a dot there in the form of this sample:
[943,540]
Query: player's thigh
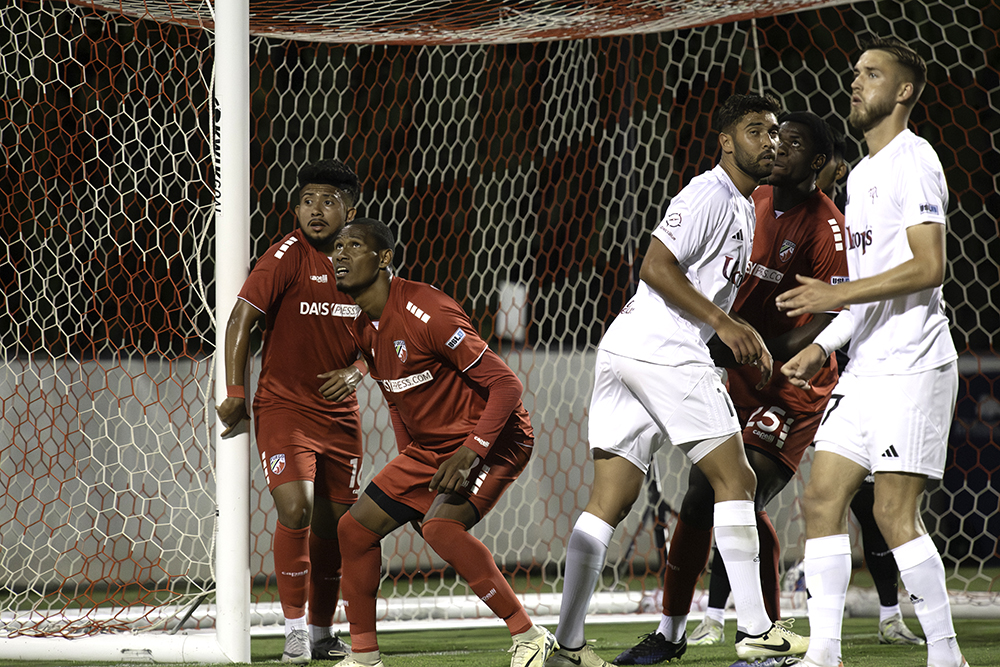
[490,477]
[781,433]
[617,482]
[910,426]
[833,479]
[618,422]
[772,476]
[338,462]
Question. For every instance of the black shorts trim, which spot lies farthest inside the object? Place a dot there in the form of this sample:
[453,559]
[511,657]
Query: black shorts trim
[398,511]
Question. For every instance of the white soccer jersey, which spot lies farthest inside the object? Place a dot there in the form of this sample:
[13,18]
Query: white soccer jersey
[709,228]
[901,186]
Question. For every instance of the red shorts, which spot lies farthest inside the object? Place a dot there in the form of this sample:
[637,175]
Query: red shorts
[295,446]
[405,478]
[783,434]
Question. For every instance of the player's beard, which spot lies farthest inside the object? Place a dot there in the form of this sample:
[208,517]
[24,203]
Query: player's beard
[751,165]
[866,116]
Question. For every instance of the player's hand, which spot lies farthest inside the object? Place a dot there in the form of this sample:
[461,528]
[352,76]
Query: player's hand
[804,365]
[341,383]
[811,296]
[454,473]
[231,412]
[747,346]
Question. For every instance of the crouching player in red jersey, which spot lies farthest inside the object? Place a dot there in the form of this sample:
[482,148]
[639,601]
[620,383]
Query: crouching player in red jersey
[462,433]
[307,425]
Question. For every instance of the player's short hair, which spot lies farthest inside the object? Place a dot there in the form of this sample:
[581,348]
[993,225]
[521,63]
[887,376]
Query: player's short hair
[728,114]
[819,131]
[335,173]
[376,231]
[911,61]
[839,142]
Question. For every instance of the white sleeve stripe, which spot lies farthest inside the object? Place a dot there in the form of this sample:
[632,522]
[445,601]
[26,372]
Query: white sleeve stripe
[476,360]
[264,312]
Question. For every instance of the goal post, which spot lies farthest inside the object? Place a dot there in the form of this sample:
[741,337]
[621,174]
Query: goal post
[522,156]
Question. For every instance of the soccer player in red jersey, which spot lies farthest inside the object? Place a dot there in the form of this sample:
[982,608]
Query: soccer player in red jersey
[462,433]
[798,231]
[307,426]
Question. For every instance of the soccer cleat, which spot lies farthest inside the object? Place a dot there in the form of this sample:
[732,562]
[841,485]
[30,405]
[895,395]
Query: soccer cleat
[781,661]
[297,648]
[330,648]
[802,662]
[533,652]
[893,630]
[779,640]
[652,650]
[349,661]
[708,633]
[585,657]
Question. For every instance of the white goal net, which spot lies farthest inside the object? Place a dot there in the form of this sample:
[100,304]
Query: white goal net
[521,152]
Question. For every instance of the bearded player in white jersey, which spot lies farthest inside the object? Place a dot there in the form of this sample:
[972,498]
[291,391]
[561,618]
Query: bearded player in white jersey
[891,411]
[656,383]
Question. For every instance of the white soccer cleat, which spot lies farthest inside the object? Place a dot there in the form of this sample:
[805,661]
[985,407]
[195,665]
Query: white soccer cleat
[779,640]
[585,657]
[708,633]
[894,631]
[349,661]
[534,649]
[297,650]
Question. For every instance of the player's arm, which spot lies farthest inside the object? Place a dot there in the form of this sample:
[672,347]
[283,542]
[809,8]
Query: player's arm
[661,271]
[233,410]
[503,395]
[341,383]
[403,437]
[923,271]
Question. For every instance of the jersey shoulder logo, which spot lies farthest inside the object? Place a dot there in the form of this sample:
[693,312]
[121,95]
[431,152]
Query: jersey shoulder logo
[786,251]
[400,346]
[280,252]
[417,312]
[456,339]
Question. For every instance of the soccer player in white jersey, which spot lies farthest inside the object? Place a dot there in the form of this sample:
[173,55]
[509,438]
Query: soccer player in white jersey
[656,383]
[892,408]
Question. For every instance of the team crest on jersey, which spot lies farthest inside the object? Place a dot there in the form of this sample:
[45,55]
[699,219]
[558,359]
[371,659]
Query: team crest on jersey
[401,350]
[277,463]
[787,248]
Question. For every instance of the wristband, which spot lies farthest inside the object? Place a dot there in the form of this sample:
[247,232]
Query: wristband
[235,391]
[837,333]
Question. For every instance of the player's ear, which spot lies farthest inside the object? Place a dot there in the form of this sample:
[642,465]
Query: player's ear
[351,212]
[819,161]
[841,170]
[726,142]
[384,259]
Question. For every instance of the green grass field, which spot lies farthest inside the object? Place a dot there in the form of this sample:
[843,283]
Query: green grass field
[980,641]
[487,647]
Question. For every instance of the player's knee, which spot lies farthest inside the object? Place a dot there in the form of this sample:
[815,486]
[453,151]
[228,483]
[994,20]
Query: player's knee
[294,515]
[439,533]
[354,538]
[611,506]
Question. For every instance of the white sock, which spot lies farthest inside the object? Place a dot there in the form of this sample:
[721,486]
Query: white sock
[922,572]
[672,627]
[717,615]
[828,573]
[319,632]
[585,554]
[888,612]
[295,624]
[736,539]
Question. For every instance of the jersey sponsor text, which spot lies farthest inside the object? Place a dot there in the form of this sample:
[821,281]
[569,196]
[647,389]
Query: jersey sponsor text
[323,309]
[409,382]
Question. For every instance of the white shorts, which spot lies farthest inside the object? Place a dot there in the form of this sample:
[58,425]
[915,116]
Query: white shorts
[638,406]
[892,423]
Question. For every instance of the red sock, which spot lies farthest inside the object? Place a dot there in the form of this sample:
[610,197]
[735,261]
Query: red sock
[474,562]
[324,585]
[688,556]
[361,551]
[291,569]
[769,555]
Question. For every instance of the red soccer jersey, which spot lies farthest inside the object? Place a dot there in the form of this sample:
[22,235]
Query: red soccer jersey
[419,354]
[807,240]
[306,326]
